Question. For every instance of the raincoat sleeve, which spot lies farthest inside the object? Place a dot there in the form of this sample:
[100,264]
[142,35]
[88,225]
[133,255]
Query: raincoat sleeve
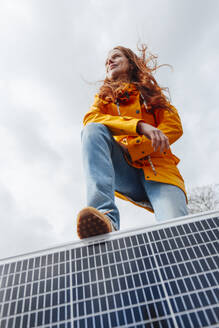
[118,125]
[168,121]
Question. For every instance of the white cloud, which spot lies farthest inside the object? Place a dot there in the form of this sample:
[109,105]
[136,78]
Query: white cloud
[48,49]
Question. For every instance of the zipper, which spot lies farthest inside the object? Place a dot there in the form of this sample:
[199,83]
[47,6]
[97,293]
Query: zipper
[151,164]
[147,110]
[118,110]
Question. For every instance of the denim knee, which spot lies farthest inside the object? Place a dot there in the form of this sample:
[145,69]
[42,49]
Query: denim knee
[92,131]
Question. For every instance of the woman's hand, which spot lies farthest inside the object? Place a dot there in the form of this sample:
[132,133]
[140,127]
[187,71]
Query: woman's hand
[157,137]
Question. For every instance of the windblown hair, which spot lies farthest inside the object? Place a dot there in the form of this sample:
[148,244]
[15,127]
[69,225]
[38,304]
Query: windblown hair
[141,75]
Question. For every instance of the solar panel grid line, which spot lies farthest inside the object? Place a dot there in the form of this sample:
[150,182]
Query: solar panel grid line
[118,274]
[195,217]
[206,318]
[158,245]
[92,305]
[188,294]
[150,324]
[182,266]
[165,292]
[196,319]
[189,318]
[123,305]
[216,317]
[189,252]
[162,267]
[171,232]
[91,256]
[208,290]
[181,322]
[111,295]
[122,299]
[112,251]
[129,309]
[185,267]
[118,270]
[194,307]
[204,250]
[188,291]
[29,310]
[139,300]
[187,236]
[74,299]
[207,264]
[20,321]
[91,290]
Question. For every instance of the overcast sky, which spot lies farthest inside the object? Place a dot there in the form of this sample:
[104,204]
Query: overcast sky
[52,52]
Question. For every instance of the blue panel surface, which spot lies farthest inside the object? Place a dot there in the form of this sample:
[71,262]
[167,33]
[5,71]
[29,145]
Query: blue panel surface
[164,276]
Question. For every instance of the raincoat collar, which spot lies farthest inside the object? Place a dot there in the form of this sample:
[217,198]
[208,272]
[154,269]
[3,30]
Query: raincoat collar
[128,90]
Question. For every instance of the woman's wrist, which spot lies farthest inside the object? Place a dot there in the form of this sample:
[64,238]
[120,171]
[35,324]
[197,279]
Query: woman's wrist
[139,127]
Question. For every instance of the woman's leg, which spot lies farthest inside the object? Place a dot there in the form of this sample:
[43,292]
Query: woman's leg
[106,170]
[168,201]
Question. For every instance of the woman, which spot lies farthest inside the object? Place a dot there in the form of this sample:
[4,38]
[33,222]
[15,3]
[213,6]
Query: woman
[126,146]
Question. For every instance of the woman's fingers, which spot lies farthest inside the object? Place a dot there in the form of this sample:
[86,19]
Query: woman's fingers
[167,144]
[164,144]
[159,141]
[157,137]
[156,140]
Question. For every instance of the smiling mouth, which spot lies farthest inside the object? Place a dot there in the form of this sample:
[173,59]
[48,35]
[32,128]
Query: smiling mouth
[112,66]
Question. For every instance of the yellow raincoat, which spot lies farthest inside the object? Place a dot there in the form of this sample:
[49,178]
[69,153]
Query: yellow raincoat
[122,119]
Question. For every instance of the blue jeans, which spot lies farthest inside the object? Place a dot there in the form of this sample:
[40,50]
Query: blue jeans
[106,170]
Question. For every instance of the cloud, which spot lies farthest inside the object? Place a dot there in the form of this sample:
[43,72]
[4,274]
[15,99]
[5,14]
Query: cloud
[48,52]
[20,232]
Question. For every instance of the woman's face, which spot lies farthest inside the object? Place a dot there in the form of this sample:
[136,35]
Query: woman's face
[117,66]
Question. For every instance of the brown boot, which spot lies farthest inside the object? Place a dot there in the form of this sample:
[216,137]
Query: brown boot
[91,222]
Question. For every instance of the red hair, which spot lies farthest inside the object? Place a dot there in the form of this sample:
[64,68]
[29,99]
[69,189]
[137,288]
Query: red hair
[141,75]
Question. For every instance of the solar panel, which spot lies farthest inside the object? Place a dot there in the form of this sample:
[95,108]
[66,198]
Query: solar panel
[164,275]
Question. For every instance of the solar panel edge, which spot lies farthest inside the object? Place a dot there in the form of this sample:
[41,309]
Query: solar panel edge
[111,236]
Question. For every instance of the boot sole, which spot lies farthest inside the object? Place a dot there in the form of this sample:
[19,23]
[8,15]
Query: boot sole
[91,222]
